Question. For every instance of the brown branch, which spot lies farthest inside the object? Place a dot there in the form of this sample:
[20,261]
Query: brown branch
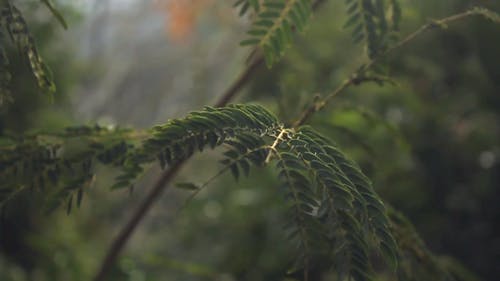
[358,76]
[240,82]
[317,106]
[138,215]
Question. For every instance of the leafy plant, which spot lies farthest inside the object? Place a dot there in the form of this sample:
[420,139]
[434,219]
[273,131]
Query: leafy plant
[14,23]
[334,215]
[275,20]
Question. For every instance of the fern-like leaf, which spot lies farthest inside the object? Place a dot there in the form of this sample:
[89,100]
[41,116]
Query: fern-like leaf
[334,213]
[372,24]
[55,12]
[272,29]
[375,211]
[304,228]
[61,165]
[329,191]
[13,21]
[180,138]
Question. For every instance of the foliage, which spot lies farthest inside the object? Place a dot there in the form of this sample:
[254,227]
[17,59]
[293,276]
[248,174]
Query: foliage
[274,23]
[64,161]
[374,22]
[332,203]
[12,20]
[334,216]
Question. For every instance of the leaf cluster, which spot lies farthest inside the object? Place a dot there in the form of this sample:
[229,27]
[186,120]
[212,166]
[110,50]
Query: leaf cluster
[334,213]
[272,28]
[60,166]
[14,24]
[373,22]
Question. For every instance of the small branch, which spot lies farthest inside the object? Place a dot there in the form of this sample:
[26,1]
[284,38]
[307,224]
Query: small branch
[138,215]
[273,147]
[235,88]
[441,23]
[317,106]
[357,76]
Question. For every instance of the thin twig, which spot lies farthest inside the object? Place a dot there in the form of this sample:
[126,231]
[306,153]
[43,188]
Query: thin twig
[320,104]
[138,215]
[240,82]
[273,146]
[357,76]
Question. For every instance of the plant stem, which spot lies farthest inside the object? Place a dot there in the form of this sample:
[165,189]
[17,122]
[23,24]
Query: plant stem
[124,235]
[317,106]
[234,89]
[273,146]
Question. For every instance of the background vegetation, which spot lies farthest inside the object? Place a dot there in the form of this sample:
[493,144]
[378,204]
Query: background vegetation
[430,143]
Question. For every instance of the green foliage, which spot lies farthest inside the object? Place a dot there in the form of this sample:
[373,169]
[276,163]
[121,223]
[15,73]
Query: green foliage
[334,212]
[332,204]
[238,125]
[12,21]
[55,13]
[373,22]
[273,26]
[59,165]
[67,160]
[246,5]
[334,216]
[5,76]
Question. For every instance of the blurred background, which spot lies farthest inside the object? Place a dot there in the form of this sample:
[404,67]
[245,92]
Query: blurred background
[430,143]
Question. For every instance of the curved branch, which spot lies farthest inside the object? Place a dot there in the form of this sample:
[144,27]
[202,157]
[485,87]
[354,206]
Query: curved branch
[357,76]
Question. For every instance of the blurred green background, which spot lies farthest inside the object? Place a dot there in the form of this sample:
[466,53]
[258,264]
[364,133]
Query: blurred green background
[431,143]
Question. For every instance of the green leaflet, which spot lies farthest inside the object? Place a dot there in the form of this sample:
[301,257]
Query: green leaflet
[60,165]
[272,28]
[372,206]
[247,5]
[55,12]
[241,126]
[374,22]
[14,23]
[332,192]
[303,227]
